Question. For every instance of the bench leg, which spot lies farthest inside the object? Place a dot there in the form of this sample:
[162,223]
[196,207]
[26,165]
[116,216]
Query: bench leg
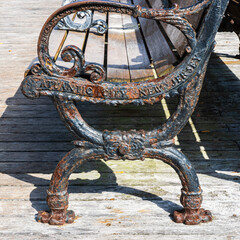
[191,197]
[57,195]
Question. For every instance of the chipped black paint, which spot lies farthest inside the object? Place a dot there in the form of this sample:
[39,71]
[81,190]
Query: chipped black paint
[66,85]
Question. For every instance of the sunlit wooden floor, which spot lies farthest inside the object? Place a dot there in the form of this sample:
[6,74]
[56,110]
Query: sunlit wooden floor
[113,200]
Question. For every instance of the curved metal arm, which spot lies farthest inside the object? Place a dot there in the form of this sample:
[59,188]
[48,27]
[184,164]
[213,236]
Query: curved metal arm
[81,89]
[47,63]
[75,123]
[165,15]
[187,103]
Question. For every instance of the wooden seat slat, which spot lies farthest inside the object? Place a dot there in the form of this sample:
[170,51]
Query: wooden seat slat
[138,59]
[56,42]
[160,52]
[175,36]
[127,56]
[117,62]
[95,45]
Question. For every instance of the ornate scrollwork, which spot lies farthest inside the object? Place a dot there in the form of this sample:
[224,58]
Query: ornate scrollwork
[124,145]
[67,24]
[69,53]
[79,67]
[175,16]
[36,69]
[97,73]
[94,88]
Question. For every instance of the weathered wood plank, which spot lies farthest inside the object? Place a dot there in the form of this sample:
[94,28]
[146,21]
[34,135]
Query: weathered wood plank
[123,194]
[23,146]
[66,137]
[162,56]
[177,39]
[121,226]
[95,47]
[21,162]
[138,59]
[117,62]
[125,124]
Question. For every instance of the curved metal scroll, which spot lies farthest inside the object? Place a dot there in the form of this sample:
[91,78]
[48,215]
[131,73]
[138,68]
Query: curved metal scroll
[68,24]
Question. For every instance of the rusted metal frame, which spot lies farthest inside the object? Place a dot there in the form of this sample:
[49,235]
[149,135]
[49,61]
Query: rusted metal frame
[75,123]
[157,137]
[188,100]
[144,92]
[191,193]
[133,144]
[57,195]
[53,70]
[68,24]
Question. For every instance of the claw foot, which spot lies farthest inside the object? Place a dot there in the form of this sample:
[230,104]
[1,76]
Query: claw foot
[192,216]
[56,217]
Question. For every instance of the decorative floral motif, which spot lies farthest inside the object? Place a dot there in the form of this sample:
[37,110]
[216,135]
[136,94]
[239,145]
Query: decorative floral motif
[124,145]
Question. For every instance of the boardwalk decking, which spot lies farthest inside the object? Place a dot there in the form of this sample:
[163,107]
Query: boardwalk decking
[114,199]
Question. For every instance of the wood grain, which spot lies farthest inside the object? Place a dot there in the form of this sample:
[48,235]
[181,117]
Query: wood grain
[117,61]
[161,54]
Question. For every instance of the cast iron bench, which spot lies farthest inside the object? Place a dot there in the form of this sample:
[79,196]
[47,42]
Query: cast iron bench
[150,51]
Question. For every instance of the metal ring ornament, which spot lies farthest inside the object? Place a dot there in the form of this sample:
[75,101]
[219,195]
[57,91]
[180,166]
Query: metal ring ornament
[68,24]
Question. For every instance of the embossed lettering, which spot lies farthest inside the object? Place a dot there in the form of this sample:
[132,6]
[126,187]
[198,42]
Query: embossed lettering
[89,91]
[157,89]
[183,74]
[150,91]
[67,87]
[142,92]
[189,69]
[80,90]
[105,93]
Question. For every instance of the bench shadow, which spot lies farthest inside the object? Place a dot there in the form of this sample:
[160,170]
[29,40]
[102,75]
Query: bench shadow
[35,139]
[218,103]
